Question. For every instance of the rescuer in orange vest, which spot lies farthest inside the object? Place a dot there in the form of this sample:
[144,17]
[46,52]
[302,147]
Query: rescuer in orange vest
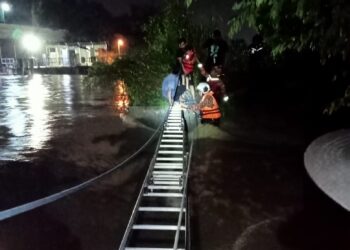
[208,106]
[215,82]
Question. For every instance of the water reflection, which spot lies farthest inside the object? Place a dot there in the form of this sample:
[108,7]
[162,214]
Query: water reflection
[67,91]
[32,110]
[121,98]
[37,95]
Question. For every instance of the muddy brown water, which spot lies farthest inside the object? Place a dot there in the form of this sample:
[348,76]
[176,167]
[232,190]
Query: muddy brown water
[248,186]
[56,134]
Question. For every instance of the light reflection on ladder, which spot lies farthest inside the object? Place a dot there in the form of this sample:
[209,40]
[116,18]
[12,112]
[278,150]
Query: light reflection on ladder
[160,220]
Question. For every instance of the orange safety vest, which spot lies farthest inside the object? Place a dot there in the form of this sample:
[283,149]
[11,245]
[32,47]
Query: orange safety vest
[209,107]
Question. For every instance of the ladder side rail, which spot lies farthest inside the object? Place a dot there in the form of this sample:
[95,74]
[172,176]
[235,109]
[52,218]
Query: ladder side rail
[144,184]
[191,126]
[184,198]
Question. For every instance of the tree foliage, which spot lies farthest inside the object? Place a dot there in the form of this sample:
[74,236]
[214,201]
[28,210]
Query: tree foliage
[141,72]
[144,68]
[85,20]
[319,25]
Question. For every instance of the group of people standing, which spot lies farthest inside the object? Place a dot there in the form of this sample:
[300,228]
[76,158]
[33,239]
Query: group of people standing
[179,85]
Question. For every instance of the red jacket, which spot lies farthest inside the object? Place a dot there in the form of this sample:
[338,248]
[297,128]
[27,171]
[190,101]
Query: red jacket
[188,61]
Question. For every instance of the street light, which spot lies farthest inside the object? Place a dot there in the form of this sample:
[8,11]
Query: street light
[5,7]
[120,43]
[31,43]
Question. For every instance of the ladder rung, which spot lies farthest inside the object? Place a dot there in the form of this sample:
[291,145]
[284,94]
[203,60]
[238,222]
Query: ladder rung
[167,180]
[169,159]
[167,172]
[170,146]
[174,120]
[164,187]
[157,227]
[172,130]
[173,136]
[172,140]
[156,182]
[168,163]
[174,125]
[171,119]
[168,167]
[158,178]
[180,132]
[171,152]
[153,194]
[161,209]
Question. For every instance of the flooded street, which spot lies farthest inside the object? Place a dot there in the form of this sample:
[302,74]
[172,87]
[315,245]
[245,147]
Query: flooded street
[33,110]
[56,134]
[248,186]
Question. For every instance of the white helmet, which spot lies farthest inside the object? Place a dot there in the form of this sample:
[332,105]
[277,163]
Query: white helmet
[203,87]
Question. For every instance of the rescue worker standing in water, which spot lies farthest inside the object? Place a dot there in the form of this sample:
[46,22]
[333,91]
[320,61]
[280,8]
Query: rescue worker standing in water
[216,83]
[208,106]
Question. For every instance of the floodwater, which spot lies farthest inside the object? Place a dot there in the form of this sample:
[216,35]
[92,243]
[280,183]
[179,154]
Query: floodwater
[34,109]
[248,186]
[55,134]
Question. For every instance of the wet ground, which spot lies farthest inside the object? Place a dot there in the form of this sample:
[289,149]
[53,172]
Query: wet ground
[248,186]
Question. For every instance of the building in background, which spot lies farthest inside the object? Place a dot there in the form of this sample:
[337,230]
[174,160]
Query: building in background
[71,54]
[27,47]
[14,53]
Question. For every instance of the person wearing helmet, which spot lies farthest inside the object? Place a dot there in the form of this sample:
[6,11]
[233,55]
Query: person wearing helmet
[186,59]
[208,106]
[216,83]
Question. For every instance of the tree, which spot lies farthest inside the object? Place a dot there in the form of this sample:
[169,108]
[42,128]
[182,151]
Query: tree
[318,25]
[321,26]
[144,68]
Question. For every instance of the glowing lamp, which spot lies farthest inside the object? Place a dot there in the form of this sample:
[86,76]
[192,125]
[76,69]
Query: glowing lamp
[5,7]
[31,43]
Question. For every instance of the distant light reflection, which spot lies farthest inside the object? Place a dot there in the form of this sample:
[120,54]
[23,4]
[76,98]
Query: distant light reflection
[16,119]
[67,91]
[39,131]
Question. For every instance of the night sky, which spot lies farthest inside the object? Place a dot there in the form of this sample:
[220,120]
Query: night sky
[120,7]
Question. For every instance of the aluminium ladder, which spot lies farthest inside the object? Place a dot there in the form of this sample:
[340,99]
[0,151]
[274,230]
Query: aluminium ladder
[160,220]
